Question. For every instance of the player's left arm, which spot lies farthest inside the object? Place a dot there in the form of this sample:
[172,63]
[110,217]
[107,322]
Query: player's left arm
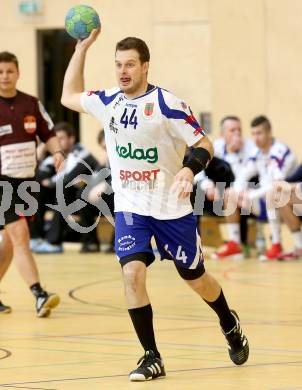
[199,158]
[47,135]
[207,144]
[54,148]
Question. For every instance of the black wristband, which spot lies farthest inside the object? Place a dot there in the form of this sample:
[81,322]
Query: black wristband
[198,160]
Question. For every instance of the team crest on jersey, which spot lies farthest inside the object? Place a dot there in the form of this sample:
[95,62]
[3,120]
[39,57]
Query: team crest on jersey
[149,109]
[30,124]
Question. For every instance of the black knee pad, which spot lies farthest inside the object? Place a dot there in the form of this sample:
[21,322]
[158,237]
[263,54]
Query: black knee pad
[145,257]
[190,274]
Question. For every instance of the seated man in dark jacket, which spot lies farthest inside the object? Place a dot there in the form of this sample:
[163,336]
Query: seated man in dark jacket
[69,184]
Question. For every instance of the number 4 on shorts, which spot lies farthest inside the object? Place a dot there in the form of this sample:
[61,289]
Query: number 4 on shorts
[180,255]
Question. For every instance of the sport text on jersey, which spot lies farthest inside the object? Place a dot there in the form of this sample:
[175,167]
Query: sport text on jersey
[139,180]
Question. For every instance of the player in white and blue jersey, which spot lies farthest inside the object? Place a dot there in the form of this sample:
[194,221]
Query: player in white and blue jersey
[272,161]
[233,148]
[147,130]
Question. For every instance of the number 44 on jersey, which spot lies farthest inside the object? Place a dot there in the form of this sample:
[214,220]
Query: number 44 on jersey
[126,121]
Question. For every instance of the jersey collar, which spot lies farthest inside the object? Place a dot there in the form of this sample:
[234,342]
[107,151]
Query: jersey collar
[150,89]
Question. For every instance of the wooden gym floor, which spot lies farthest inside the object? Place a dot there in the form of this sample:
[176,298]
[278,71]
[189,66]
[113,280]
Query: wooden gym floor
[88,342]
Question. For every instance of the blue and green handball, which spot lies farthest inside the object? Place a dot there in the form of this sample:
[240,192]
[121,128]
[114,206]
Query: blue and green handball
[81,20]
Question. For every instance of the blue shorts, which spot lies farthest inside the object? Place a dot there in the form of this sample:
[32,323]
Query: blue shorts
[176,239]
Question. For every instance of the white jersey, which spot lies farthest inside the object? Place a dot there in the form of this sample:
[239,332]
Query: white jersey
[146,139]
[237,160]
[277,164]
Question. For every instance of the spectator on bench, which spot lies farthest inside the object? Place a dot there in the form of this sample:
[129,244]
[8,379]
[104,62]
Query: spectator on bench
[272,160]
[79,162]
[233,149]
[100,193]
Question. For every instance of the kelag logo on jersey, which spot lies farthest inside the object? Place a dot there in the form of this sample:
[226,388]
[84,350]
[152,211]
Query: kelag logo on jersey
[149,155]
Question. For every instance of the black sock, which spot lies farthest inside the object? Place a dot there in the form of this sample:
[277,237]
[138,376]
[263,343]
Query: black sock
[142,319]
[221,308]
[37,290]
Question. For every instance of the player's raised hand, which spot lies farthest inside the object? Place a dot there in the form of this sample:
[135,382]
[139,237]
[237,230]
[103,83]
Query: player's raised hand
[183,183]
[84,44]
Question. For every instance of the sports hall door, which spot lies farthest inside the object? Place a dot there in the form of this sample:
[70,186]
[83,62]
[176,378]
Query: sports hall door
[55,49]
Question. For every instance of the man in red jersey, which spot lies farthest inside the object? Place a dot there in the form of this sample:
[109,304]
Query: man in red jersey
[22,119]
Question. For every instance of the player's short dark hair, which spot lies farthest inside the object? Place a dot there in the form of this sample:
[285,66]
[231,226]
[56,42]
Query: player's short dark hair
[66,127]
[261,120]
[6,56]
[227,118]
[136,44]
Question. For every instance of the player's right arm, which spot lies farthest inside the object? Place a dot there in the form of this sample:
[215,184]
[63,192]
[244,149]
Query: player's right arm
[73,85]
